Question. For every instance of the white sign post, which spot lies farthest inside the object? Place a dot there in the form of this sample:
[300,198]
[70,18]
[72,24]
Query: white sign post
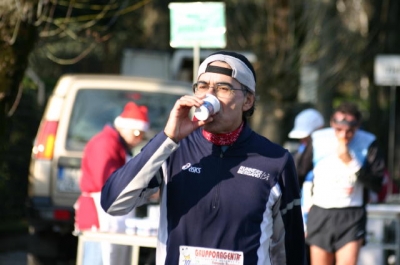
[387,73]
[197,25]
[387,70]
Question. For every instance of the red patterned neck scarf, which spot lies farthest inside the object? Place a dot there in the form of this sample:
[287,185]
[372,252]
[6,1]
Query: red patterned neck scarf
[225,138]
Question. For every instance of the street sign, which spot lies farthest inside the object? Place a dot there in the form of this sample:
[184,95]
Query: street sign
[387,73]
[200,24]
[387,70]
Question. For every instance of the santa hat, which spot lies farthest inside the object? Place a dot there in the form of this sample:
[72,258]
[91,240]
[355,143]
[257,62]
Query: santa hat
[133,117]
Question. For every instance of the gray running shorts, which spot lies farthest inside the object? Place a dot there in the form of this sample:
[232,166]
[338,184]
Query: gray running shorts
[331,229]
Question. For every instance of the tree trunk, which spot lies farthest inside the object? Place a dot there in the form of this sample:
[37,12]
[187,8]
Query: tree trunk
[17,38]
[327,59]
[277,45]
[14,53]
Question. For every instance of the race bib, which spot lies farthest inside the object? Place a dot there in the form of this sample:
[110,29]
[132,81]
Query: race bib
[209,256]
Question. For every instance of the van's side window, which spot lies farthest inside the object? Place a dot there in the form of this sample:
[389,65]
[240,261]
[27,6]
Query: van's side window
[89,116]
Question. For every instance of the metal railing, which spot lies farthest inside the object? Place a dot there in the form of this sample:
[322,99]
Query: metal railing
[383,236]
[116,238]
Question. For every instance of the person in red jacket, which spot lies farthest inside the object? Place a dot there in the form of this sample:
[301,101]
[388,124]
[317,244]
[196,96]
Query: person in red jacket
[107,151]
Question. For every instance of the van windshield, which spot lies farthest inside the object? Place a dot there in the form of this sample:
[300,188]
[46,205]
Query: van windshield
[94,108]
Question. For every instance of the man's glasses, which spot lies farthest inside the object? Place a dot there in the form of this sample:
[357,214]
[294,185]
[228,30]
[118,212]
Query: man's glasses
[221,90]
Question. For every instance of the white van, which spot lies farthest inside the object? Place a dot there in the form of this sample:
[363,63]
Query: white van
[78,108]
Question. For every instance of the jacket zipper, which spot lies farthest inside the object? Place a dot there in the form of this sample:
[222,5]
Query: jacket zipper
[216,196]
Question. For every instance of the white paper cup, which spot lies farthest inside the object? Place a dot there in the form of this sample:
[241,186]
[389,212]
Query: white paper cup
[210,106]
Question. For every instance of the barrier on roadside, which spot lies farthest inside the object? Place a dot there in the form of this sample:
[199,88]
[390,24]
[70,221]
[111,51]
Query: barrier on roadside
[136,241]
[383,236]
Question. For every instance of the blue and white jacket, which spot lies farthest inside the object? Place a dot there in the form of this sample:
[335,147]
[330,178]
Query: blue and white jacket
[340,185]
[245,199]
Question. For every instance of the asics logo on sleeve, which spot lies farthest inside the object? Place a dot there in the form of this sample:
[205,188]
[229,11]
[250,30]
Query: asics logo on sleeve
[191,169]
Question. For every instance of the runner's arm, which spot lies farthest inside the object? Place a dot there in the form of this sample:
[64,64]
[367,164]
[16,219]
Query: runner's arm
[131,185]
[372,172]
